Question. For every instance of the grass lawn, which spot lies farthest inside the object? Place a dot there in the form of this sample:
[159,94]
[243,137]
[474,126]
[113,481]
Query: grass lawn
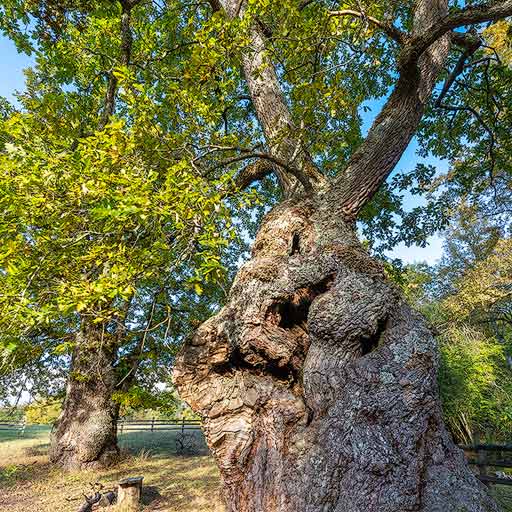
[172,482]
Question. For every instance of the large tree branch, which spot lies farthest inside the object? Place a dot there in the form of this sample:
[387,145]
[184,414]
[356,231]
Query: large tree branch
[252,173]
[258,170]
[297,172]
[396,124]
[471,15]
[271,109]
[422,59]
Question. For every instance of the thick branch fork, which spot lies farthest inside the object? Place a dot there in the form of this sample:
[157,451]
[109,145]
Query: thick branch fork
[418,44]
[422,56]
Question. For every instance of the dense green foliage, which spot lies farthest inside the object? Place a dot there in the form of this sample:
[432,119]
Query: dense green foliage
[466,299]
[42,413]
[476,385]
[109,224]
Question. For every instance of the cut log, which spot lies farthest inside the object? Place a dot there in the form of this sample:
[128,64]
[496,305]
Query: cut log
[129,492]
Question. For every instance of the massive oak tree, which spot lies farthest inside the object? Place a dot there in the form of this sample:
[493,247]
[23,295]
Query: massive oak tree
[316,381]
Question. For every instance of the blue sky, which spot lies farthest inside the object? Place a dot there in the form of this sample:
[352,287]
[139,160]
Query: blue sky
[12,64]
[12,79]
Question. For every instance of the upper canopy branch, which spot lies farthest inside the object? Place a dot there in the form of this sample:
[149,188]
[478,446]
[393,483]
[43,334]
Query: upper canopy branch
[472,44]
[252,173]
[421,61]
[390,30]
[293,164]
[471,15]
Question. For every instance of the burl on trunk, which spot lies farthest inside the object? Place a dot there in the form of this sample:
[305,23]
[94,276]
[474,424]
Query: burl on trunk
[85,435]
[317,382]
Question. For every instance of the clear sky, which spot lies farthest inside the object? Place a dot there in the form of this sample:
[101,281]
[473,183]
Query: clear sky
[12,79]
[12,64]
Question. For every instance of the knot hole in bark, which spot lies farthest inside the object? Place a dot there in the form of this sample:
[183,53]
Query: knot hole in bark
[292,312]
[371,342]
[295,246]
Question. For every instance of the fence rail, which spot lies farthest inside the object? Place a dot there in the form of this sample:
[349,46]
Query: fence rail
[484,456]
[16,426]
[158,425]
[483,462]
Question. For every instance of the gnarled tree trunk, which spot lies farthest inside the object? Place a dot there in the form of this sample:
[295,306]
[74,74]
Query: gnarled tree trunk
[317,382]
[85,435]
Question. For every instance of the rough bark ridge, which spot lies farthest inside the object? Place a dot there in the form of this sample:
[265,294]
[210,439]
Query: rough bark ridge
[317,382]
[85,435]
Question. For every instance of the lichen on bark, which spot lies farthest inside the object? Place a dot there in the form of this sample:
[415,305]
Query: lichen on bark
[85,435]
[318,385]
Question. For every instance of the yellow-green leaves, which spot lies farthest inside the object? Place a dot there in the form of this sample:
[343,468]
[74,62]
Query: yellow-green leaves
[476,387]
[499,36]
[83,228]
[483,286]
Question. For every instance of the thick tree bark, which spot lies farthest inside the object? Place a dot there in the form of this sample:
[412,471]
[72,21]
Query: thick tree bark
[85,435]
[317,382]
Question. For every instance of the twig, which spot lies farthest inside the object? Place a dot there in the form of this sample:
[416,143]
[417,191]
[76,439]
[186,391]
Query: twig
[394,33]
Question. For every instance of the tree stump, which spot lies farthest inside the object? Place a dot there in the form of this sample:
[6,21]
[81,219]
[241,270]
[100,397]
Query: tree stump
[129,492]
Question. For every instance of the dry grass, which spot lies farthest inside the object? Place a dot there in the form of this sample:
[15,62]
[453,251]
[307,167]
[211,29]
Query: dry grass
[172,483]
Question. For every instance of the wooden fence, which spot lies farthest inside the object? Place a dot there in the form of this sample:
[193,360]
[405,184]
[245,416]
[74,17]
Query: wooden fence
[490,459]
[496,456]
[154,425]
[13,425]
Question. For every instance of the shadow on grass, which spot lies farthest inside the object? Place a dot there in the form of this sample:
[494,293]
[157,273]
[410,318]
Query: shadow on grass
[163,442]
[32,432]
[150,493]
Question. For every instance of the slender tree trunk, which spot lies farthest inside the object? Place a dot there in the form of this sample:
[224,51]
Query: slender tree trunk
[317,382]
[85,435]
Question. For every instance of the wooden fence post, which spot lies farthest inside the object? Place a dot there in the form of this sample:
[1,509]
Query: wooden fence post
[182,425]
[152,424]
[482,464]
[21,430]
